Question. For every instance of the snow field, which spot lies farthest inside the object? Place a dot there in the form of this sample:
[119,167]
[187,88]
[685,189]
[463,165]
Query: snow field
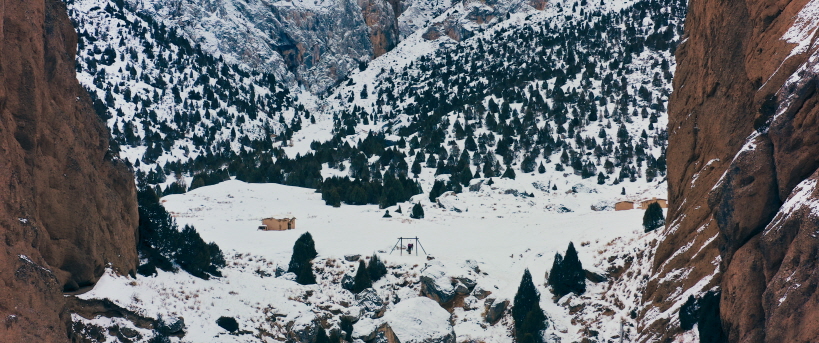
[498,240]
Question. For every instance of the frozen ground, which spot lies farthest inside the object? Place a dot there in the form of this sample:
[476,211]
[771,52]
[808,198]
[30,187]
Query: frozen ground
[500,234]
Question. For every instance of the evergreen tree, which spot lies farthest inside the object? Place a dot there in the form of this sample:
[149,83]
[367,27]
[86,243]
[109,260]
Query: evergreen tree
[194,254]
[376,268]
[321,336]
[567,275]
[304,275]
[653,217]
[362,279]
[528,317]
[417,212]
[304,251]
[509,173]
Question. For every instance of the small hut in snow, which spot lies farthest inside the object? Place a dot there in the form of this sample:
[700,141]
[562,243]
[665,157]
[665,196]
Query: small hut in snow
[278,223]
[644,205]
[624,205]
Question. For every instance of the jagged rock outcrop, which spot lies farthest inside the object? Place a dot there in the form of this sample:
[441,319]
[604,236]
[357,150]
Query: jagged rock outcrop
[742,173]
[316,44]
[312,43]
[67,208]
[380,17]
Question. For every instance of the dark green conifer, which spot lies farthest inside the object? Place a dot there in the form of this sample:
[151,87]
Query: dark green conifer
[653,217]
[417,212]
[362,279]
[376,268]
[528,317]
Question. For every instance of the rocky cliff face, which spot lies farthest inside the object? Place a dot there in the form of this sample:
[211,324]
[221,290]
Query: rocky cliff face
[743,172]
[316,44]
[67,210]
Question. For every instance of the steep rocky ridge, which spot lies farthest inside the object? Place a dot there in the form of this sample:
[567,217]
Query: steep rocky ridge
[742,173]
[316,44]
[67,209]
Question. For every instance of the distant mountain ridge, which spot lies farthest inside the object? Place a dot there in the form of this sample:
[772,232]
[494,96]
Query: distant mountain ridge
[313,43]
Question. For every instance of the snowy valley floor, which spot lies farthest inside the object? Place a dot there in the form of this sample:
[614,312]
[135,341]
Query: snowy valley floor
[489,240]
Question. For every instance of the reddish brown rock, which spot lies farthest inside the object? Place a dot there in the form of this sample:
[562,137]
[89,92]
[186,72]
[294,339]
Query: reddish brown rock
[67,209]
[741,138]
[382,19]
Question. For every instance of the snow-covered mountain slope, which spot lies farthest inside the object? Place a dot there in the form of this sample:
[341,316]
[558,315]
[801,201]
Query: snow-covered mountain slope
[546,93]
[574,105]
[315,44]
[488,248]
[165,100]
[516,136]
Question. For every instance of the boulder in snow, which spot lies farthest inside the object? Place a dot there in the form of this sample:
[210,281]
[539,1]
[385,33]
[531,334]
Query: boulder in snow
[461,289]
[603,205]
[420,320]
[369,300]
[495,309]
[436,285]
[347,282]
[352,258]
[480,293]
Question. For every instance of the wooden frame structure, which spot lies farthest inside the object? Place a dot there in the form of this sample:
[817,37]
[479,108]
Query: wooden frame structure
[400,244]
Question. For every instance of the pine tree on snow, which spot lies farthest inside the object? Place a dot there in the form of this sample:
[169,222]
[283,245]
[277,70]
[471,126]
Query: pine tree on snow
[567,275]
[376,268]
[417,212]
[653,217]
[362,279]
[528,317]
[304,250]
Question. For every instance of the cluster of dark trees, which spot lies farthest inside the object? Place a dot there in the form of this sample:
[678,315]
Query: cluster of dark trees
[567,274]
[368,273]
[162,245]
[705,313]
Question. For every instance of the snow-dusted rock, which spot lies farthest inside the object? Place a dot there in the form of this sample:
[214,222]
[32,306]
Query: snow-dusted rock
[369,300]
[420,320]
[582,188]
[480,293]
[347,282]
[603,205]
[495,309]
[461,289]
[436,285]
[352,257]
